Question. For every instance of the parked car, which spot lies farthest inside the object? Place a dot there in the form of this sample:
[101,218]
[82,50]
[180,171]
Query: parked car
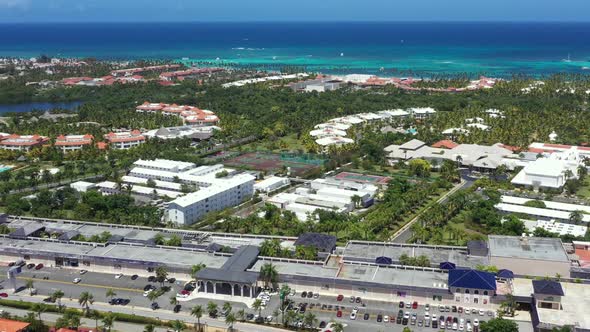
[30,266]
[82,272]
[39,266]
[322,324]
[177,308]
[134,277]
[76,280]
[151,279]
[415,305]
[309,295]
[401,304]
[353,315]
[366,316]
[339,313]
[358,299]
[398,320]
[316,296]
[385,319]
[340,297]
[3,295]
[147,292]
[155,306]
[379,318]
[118,275]
[352,299]
[304,294]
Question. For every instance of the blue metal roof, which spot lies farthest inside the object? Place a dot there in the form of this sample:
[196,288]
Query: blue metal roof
[548,287]
[505,274]
[472,279]
[382,260]
[447,266]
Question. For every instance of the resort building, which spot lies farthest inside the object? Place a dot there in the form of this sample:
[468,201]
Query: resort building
[271,184]
[25,143]
[329,194]
[73,142]
[480,157]
[189,73]
[422,112]
[552,170]
[196,134]
[82,186]
[191,115]
[125,140]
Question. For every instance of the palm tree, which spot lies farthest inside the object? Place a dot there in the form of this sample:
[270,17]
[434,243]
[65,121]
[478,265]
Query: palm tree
[576,217]
[257,305]
[196,268]
[95,314]
[149,328]
[310,319]
[29,285]
[173,300]
[110,293]
[226,307]
[230,319]
[178,326]
[211,308]
[107,321]
[269,274]
[289,317]
[39,308]
[337,327]
[153,296]
[197,312]
[241,315]
[57,295]
[85,300]
[161,274]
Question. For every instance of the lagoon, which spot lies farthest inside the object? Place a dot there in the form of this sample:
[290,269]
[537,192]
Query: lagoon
[39,106]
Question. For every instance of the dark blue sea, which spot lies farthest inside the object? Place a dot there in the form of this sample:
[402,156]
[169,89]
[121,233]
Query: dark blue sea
[496,49]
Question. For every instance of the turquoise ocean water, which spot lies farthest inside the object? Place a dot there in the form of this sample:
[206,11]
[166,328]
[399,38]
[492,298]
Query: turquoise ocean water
[390,49]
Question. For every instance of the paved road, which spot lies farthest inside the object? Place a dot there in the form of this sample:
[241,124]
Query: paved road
[86,322]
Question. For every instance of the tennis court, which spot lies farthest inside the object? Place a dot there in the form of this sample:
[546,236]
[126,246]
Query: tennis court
[270,162]
[362,178]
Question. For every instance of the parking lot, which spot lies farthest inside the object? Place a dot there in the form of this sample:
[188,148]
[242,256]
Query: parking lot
[326,308]
[376,316]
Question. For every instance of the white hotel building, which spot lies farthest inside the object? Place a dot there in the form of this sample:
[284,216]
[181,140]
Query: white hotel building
[213,193]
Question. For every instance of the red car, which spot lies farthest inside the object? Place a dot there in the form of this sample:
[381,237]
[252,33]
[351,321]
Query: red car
[39,267]
[340,298]
[3,295]
[339,313]
[415,305]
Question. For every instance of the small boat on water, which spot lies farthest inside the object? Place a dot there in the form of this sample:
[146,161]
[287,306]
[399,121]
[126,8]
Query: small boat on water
[341,54]
[568,59]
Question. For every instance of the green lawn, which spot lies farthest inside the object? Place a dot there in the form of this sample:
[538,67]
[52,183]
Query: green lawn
[584,191]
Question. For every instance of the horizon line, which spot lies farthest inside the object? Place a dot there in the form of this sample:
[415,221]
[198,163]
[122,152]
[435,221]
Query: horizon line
[295,21]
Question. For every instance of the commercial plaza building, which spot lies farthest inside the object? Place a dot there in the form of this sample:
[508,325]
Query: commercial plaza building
[367,269]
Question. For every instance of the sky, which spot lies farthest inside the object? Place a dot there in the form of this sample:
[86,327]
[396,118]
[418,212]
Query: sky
[291,10]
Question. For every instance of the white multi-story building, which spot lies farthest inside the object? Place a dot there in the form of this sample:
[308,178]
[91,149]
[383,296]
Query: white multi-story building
[22,143]
[221,194]
[125,140]
[215,187]
[69,143]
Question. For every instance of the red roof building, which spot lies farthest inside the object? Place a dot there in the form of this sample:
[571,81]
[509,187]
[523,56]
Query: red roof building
[132,71]
[101,145]
[169,76]
[22,143]
[190,114]
[445,144]
[73,142]
[8,325]
[125,140]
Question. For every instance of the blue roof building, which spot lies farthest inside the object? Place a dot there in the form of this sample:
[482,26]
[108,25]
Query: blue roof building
[547,287]
[473,279]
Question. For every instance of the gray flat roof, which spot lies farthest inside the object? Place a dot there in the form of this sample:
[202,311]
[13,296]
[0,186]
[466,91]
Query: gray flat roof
[549,249]
[394,276]
[298,269]
[370,251]
[165,256]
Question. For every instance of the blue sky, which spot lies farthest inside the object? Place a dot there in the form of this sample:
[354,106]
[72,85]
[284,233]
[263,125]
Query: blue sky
[292,10]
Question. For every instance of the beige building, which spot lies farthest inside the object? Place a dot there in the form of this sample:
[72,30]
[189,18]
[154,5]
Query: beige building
[533,256]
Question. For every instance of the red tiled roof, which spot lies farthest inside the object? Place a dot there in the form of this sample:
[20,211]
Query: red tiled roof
[17,140]
[445,143]
[101,145]
[559,146]
[537,150]
[7,325]
[132,136]
[511,147]
[73,141]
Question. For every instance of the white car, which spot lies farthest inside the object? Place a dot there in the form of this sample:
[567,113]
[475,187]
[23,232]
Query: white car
[269,318]
[455,326]
[118,276]
[407,315]
[83,271]
[353,315]
[476,322]
[467,311]
[426,316]
[427,307]
[76,280]
[461,327]
[147,292]
[469,328]
[481,313]
[386,319]
[473,311]
[461,321]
